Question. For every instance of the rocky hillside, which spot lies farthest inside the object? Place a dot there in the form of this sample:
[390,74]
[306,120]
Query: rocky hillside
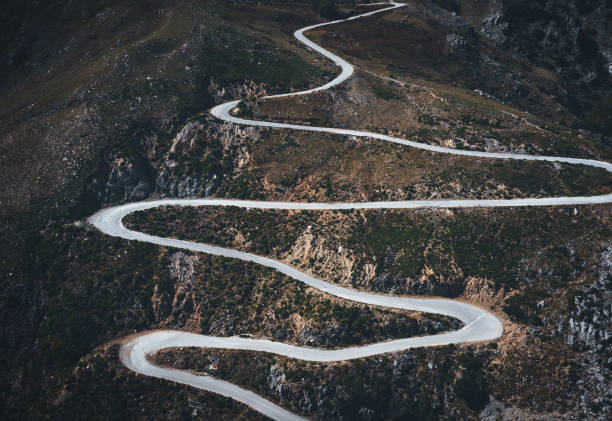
[569,38]
[104,103]
[544,270]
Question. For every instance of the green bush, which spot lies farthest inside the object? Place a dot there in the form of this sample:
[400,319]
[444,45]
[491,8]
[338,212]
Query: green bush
[383,92]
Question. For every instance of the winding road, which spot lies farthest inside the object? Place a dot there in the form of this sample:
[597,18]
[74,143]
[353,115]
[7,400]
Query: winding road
[479,324]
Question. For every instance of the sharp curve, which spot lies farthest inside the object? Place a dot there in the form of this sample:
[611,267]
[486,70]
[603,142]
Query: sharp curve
[479,324]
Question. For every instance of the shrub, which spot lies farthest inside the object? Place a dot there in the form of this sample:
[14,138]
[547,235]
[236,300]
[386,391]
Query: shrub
[383,92]
[326,8]
[472,386]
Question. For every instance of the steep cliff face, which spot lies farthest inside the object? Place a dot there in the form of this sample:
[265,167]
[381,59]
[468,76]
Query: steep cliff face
[202,156]
[588,328]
